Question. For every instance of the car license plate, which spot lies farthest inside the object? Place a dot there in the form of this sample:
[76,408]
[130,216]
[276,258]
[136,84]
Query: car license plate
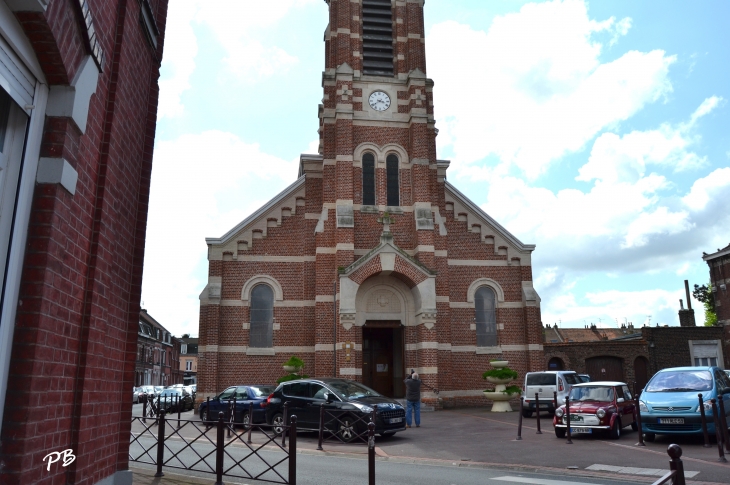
[544,405]
[396,420]
[576,418]
[581,430]
[671,420]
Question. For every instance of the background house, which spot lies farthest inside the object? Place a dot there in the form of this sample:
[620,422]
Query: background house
[158,354]
[189,360]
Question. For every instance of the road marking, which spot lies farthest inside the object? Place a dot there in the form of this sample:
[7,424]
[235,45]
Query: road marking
[630,470]
[539,481]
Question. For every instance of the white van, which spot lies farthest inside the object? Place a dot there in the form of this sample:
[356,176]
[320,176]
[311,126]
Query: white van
[545,384]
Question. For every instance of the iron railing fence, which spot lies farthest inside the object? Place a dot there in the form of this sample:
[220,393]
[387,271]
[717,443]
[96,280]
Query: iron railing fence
[196,446]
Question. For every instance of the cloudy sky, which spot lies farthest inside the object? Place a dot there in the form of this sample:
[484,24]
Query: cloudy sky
[599,131]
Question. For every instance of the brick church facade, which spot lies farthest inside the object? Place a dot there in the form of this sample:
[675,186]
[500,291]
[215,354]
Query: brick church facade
[371,263]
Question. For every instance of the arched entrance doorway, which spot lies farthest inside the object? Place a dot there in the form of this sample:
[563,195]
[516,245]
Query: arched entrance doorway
[383,346]
[605,368]
[556,364]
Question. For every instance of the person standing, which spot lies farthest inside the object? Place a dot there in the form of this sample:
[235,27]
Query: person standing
[413,399]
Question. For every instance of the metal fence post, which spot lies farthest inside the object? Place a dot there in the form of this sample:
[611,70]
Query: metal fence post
[703,419]
[371,453]
[537,411]
[144,408]
[718,433]
[567,417]
[519,426]
[283,429]
[219,448]
[160,445]
[178,411]
[676,465]
[555,400]
[250,420]
[723,422]
[321,427]
[293,451]
[207,411]
[637,404]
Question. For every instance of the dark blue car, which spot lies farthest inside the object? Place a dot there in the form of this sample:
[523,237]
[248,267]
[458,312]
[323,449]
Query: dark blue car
[244,397]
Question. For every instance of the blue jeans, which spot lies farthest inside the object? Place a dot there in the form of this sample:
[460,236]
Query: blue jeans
[413,407]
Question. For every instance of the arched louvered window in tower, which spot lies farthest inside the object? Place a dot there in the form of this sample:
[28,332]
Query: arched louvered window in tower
[486,317]
[377,38]
[262,317]
[368,179]
[391,169]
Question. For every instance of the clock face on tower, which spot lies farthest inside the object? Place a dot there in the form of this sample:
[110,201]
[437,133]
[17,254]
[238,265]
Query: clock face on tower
[379,101]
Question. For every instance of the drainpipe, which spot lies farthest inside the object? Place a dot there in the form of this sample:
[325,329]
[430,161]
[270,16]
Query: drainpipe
[334,328]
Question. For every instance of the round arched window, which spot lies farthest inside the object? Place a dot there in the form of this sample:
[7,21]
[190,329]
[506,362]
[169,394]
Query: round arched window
[262,317]
[486,317]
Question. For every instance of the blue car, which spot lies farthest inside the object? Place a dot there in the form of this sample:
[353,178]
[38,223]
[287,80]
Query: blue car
[244,397]
[670,402]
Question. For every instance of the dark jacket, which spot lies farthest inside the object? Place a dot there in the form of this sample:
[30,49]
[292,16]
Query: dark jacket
[413,389]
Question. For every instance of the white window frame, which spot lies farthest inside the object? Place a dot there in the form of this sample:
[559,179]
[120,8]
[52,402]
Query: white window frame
[15,37]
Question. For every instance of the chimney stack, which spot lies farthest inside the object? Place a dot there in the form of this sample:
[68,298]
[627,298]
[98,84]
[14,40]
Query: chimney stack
[686,316]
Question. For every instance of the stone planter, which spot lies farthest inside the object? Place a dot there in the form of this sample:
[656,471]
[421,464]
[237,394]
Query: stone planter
[290,368]
[499,396]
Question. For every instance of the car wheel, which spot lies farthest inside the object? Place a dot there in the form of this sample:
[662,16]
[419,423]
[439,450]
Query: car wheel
[526,414]
[615,432]
[635,426]
[204,415]
[246,421]
[560,432]
[347,429]
[278,423]
[650,437]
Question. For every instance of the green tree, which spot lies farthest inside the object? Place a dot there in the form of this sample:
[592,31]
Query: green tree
[705,295]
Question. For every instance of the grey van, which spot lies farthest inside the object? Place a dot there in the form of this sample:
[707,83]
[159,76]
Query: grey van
[545,384]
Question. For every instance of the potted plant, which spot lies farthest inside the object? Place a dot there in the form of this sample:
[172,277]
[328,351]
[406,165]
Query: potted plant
[294,364]
[500,376]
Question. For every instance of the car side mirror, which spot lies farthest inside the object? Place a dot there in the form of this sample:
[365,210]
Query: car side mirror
[329,397]
[620,399]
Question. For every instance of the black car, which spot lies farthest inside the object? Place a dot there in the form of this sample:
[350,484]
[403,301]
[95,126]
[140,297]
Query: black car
[244,396]
[354,401]
[172,400]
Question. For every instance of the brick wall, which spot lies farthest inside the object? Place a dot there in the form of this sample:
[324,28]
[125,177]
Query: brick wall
[75,343]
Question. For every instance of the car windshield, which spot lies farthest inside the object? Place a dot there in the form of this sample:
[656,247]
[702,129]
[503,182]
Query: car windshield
[681,381]
[261,391]
[593,393]
[351,390]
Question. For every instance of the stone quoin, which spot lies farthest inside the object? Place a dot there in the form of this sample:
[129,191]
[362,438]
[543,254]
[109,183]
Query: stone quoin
[320,272]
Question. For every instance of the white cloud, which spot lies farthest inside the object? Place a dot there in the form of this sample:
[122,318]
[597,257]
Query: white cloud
[537,88]
[606,308]
[202,185]
[237,26]
[178,64]
[239,32]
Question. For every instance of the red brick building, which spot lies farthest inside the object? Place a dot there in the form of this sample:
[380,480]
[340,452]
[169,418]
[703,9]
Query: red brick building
[371,263]
[158,354]
[78,103]
[719,265]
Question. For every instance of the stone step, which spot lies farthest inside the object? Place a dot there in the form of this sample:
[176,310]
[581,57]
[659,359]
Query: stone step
[424,407]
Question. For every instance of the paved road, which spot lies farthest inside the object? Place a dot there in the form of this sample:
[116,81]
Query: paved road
[476,439]
[352,470]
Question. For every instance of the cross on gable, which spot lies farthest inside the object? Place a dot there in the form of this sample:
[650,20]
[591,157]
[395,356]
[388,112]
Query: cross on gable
[386,221]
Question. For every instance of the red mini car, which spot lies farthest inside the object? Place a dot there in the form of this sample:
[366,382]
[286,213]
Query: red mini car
[605,406]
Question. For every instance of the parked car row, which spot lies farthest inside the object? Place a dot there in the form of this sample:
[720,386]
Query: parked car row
[350,401]
[142,392]
[668,404]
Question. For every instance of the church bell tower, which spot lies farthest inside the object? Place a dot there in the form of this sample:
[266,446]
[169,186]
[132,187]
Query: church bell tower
[377,145]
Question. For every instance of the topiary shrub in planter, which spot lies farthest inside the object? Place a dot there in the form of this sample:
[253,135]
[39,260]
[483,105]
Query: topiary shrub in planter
[294,364]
